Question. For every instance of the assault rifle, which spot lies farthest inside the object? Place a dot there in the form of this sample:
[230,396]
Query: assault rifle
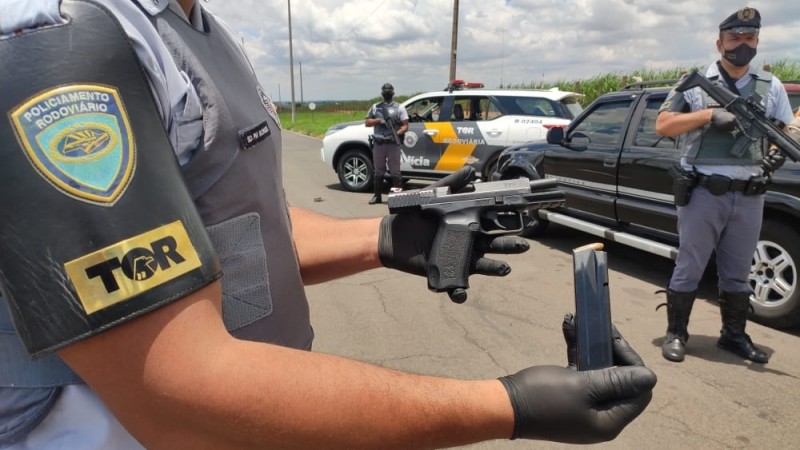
[491,208]
[387,120]
[750,117]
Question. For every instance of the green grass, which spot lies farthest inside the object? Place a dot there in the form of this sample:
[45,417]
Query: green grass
[330,113]
[315,123]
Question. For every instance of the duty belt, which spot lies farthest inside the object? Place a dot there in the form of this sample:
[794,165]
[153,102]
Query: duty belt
[720,184]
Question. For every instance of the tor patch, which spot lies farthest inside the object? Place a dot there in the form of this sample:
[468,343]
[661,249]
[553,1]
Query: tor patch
[79,139]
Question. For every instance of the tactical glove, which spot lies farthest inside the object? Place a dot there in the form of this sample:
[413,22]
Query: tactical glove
[564,405]
[723,120]
[772,161]
[406,239]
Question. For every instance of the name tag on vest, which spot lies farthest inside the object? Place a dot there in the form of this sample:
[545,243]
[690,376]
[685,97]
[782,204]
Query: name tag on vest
[249,137]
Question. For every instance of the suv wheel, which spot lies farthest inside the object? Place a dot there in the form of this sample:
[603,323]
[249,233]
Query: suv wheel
[355,171]
[774,276]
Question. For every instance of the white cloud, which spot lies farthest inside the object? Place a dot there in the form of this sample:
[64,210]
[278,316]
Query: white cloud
[349,48]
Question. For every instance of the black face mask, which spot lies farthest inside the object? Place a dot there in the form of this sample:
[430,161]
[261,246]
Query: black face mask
[387,96]
[740,56]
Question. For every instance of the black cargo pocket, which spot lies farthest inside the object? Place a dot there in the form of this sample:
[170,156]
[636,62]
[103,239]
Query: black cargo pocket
[22,410]
[245,279]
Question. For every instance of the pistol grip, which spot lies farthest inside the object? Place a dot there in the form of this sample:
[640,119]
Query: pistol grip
[451,257]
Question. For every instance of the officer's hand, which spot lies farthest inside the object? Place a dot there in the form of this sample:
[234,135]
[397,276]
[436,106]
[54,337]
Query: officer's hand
[623,353]
[563,405]
[723,120]
[773,160]
[406,239]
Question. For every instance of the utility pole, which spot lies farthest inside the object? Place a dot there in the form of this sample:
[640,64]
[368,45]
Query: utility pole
[454,42]
[301,83]
[291,55]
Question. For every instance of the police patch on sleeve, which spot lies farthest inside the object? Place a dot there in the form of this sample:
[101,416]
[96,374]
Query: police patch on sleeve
[78,137]
[126,269]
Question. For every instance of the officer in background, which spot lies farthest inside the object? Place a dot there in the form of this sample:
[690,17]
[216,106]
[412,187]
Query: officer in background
[390,120]
[723,211]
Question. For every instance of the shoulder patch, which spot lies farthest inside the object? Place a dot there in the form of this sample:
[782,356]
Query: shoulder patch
[78,137]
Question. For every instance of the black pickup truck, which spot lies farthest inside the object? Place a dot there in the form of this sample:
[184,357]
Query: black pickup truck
[614,170]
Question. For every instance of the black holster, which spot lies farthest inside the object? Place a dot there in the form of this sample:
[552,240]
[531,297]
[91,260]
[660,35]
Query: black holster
[682,184]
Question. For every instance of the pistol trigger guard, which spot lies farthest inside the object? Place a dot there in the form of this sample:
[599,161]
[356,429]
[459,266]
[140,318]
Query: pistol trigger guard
[496,220]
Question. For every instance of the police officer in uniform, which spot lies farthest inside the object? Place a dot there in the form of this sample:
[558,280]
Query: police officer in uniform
[724,209]
[390,120]
[124,165]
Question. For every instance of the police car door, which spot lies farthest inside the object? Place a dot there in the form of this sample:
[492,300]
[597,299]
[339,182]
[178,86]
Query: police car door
[421,148]
[530,117]
[460,139]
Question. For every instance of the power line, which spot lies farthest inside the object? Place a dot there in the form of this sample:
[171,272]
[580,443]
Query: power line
[362,21]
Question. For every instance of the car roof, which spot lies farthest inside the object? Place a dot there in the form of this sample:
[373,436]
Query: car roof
[550,94]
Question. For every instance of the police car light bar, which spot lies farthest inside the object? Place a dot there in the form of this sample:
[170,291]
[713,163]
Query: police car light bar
[461,84]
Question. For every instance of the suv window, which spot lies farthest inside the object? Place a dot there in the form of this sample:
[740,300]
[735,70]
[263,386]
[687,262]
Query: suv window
[427,108]
[567,108]
[646,132]
[469,108]
[536,107]
[603,125]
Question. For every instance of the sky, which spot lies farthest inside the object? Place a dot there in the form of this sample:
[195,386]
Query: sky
[347,49]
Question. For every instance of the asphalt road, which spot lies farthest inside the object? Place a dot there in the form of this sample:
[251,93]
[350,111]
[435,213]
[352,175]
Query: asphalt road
[713,400]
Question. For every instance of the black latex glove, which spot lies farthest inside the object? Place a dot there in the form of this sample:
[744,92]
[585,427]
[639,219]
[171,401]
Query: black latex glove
[772,161]
[564,405]
[723,120]
[406,239]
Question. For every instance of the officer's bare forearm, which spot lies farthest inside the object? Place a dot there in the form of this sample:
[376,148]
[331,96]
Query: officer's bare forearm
[176,379]
[330,248]
[674,124]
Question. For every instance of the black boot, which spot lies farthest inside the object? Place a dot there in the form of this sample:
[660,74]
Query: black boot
[734,307]
[397,184]
[377,185]
[679,308]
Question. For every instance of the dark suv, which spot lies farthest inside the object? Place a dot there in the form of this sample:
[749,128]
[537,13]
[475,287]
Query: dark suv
[613,168]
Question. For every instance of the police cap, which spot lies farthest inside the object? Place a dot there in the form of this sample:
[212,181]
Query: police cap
[743,21]
[387,87]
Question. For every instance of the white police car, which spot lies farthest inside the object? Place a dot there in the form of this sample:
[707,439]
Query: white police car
[463,124]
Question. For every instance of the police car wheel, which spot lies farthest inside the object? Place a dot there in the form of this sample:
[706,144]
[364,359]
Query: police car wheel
[774,276]
[355,171]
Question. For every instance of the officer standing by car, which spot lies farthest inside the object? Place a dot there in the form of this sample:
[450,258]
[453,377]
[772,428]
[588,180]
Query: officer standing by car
[722,207]
[125,177]
[390,120]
